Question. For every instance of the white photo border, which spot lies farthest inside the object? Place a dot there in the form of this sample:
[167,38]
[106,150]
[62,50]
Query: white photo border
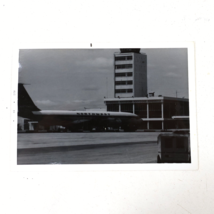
[102,167]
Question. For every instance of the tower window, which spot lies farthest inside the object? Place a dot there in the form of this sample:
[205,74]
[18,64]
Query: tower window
[123,58]
[120,90]
[123,66]
[128,74]
[123,83]
[123,91]
[120,74]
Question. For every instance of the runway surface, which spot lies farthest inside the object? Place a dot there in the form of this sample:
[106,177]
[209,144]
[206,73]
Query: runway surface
[87,148]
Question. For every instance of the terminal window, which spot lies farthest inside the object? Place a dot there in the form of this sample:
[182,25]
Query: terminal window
[172,108]
[113,107]
[155,110]
[127,108]
[141,109]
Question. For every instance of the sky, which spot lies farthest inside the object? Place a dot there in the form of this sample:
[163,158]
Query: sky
[75,79]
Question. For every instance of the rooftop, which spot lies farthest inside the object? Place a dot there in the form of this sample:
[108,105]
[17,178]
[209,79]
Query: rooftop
[145,99]
[130,50]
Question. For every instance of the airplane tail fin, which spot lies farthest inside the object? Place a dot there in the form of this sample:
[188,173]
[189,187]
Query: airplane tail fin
[25,103]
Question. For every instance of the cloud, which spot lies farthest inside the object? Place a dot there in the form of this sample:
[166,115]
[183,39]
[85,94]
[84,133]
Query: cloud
[99,62]
[83,101]
[91,88]
[45,102]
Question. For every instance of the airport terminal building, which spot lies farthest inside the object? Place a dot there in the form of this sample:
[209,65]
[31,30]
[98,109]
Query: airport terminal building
[161,113]
[130,95]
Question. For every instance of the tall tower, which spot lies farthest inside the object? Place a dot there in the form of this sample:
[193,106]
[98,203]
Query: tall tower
[130,73]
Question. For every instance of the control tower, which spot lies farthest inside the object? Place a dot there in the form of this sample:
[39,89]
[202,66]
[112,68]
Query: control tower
[130,73]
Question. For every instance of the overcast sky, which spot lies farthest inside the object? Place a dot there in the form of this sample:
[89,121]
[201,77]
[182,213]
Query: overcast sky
[76,78]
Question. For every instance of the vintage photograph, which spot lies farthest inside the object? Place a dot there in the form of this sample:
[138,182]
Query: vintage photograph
[103,106]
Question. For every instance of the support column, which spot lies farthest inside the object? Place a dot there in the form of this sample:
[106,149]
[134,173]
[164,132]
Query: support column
[162,125]
[133,108]
[162,115]
[119,107]
[147,115]
[147,110]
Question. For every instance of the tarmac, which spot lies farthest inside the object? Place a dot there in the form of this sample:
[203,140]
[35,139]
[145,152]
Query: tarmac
[87,148]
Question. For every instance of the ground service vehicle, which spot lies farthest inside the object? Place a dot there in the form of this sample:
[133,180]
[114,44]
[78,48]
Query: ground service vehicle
[174,148]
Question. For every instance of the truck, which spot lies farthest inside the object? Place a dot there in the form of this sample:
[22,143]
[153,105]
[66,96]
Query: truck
[174,147]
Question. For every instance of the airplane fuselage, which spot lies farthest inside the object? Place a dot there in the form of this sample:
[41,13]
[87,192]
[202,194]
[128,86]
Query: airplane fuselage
[87,119]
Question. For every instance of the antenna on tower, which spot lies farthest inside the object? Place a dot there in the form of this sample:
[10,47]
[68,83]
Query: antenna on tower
[107,87]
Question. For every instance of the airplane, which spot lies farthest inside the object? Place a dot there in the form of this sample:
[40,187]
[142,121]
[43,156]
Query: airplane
[75,120]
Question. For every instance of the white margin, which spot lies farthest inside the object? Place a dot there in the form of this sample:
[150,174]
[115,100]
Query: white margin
[103,167]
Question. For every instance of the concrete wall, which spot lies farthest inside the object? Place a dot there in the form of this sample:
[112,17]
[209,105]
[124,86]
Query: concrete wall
[140,75]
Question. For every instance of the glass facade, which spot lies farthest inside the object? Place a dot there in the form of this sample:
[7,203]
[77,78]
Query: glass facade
[141,109]
[155,125]
[175,108]
[170,108]
[113,107]
[127,108]
[155,110]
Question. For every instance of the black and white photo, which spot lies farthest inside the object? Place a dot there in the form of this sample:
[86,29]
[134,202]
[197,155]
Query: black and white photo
[103,106]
